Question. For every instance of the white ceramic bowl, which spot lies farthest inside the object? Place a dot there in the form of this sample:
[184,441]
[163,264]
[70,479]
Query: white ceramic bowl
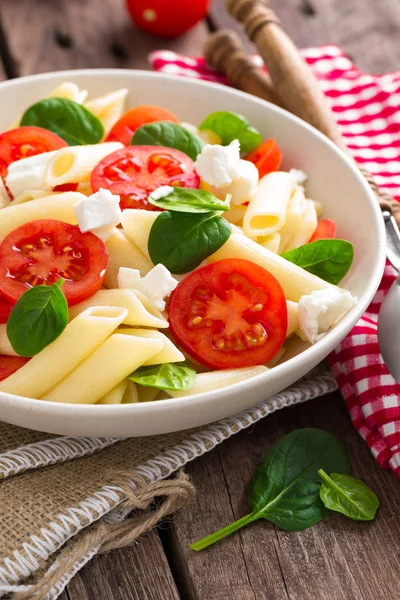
[334,180]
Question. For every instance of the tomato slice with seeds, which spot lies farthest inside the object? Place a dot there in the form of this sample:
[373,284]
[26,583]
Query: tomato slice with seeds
[10,364]
[41,252]
[134,118]
[229,314]
[5,309]
[134,172]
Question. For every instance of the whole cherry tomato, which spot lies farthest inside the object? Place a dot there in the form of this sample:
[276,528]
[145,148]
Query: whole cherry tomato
[167,18]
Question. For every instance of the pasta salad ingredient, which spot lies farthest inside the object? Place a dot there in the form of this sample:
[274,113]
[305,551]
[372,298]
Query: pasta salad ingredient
[156,285]
[10,365]
[348,495]
[267,157]
[229,314]
[69,120]
[231,126]
[134,118]
[329,259]
[170,135]
[168,376]
[187,200]
[98,213]
[167,19]
[326,229]
[44,251]
[37,319]
[181,241]
[134,172]
[5,309]
[218,165]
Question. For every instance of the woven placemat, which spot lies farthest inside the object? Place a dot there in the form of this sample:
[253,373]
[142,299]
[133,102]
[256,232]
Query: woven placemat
[64,499]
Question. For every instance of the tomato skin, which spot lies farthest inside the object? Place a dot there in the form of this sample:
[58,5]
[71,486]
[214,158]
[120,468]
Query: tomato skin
[5,309]
[326,230]
[126,126]
[267,157]
[167,18]
[43,251]
[10,364]
[136,171]
[233,298]
[26,141]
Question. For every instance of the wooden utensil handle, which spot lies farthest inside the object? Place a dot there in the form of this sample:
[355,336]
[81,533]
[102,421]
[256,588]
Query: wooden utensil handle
[224,52]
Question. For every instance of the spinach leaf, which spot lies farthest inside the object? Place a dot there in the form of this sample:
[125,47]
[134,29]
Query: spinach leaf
[37,319]
[181,241]
[329,259]
[232,126]
[169,376]
[171,135]
[190,201]
[285,488]
[69,120]
[348,495]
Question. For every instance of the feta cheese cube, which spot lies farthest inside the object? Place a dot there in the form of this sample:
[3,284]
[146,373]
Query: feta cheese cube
[162,192]
[156,285]
[28,173]
[299,177]
[322,309]
[99,213]
[219,165]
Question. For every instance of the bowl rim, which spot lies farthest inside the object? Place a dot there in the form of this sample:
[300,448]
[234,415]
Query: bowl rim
[320,348]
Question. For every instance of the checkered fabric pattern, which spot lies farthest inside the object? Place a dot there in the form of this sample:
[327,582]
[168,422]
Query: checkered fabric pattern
[367,110]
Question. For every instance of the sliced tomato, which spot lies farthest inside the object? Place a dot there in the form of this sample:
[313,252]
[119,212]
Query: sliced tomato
[267,157]
[229,314]
[41,252]
[10,364]
[26,141]
[136,171]
[326,230]
[5,309]
[126,126]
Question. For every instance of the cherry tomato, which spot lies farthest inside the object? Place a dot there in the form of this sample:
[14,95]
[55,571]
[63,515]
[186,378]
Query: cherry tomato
[167,18]
[5,309]
[136,171]
[126,126]
[266,157]
[326,230]
[26,141]
[41,252]
[10,364]
[229,314]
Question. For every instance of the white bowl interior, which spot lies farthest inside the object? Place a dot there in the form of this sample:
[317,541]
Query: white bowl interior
[334,181]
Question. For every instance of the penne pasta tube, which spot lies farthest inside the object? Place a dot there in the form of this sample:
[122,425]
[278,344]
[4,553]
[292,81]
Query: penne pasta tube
[29,195]
[109,108]
[168,353]
[75,164]
[235,214]
[78,340]
[5,346]
[146,394]
[123,253]
[276,359]
[69,91]
[131,395]
[318,208]
[108,365]
[270,241]
[266,211]
[54,206]
[115,395]
[308,225]
[137,225]
[4,197]
[28,173]
[295,281]
[295,212]
[214,380]
[293,317]
[139,310]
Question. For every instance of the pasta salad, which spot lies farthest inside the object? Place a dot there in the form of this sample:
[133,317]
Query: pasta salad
[141,255]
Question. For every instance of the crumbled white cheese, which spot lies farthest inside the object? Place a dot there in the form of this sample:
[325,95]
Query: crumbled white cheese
[4,197]
[219,165]
[156,285]
[28,173]
[162,192]
[322,309]
[244,184]
[299,177]
[98,213]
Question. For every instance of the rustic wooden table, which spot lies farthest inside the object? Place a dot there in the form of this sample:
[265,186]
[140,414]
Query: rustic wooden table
[338,559]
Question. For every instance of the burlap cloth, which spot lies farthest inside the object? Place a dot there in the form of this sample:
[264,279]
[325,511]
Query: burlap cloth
[64,499]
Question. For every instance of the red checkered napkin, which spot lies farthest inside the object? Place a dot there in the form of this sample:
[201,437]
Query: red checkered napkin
[367,110]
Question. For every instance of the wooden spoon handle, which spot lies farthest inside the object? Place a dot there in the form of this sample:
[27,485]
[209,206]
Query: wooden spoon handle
[224,52]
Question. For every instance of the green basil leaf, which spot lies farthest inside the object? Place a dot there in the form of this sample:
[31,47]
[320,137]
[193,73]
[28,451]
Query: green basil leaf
[232,126]
[69,120]
[181,241]
[190,201]
[285,488]
[37,319]
[329,259]
[171,135]
[169,376]
[349,496]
